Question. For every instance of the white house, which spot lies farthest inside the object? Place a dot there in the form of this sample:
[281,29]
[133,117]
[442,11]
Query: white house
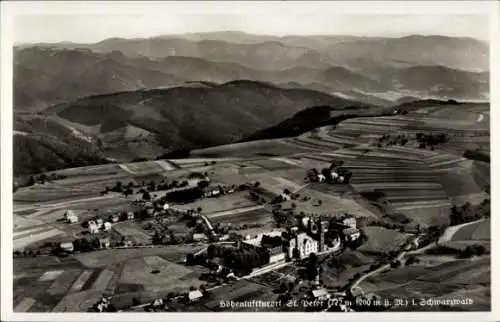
[194,295]
[320,294]
[70,217]
[99,222]
[321,178]
[349,221]
[285,197]
[93,228]
[107,226]
[199,237]
[130,215]
[67,246]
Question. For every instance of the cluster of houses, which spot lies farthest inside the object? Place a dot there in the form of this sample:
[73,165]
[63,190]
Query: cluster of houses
[95,224]
[210,192]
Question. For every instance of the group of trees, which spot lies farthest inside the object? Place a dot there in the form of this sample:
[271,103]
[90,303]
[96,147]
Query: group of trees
[242,260]
[271,241]
[431,139]
[284,219]
[389,140]
[86,244]
[184,195]
[41,179]
[467,212]
[121,188]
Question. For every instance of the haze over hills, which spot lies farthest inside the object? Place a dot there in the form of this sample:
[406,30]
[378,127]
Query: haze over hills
[47,75]
[128,98]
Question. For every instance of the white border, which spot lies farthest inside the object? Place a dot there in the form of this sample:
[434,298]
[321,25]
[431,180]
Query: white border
[10,9]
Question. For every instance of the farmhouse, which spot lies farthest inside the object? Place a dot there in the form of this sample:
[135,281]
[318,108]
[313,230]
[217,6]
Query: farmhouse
[67,246]
[321,178]
[104,242]
[114,218]
[200,237]
[99,222]
[70,217]
[349,221]
[212,192]
[130,215]
[194,296]
[320,294]
[93,228]
[107,226]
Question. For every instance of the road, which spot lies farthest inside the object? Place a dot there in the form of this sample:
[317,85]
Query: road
[233,211]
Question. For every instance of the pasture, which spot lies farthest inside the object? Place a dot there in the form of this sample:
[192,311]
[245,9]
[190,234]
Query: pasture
[225,202]
[260,216]
[470,278]
[171,276]
[133,231]
[382,240]
[478,231]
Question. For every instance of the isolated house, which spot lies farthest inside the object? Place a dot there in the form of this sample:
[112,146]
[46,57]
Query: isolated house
[67,246]
[114,218]
[99,222]
[320,294]
[130,215]
[321,178]
[285,197]
[199,237]
[70,217]
[194,296]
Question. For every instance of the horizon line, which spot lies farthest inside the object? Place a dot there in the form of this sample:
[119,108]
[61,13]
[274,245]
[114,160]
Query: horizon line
[180,35]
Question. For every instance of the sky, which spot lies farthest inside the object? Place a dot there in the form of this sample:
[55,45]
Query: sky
[93,28]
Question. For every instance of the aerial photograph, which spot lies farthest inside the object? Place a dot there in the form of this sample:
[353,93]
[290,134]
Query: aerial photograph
[231,163]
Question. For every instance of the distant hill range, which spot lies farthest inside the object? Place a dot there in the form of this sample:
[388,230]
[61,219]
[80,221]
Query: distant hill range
[119,99]
[147,123]
[381,68]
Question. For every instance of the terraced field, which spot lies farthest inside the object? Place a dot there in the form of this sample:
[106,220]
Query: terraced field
[452,279]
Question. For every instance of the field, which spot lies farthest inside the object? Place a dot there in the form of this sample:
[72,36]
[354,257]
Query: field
[226,202]
[382,240]
[73,284]
[452,279]
[477,231]
[132,231]
[260,216]
[239,292]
